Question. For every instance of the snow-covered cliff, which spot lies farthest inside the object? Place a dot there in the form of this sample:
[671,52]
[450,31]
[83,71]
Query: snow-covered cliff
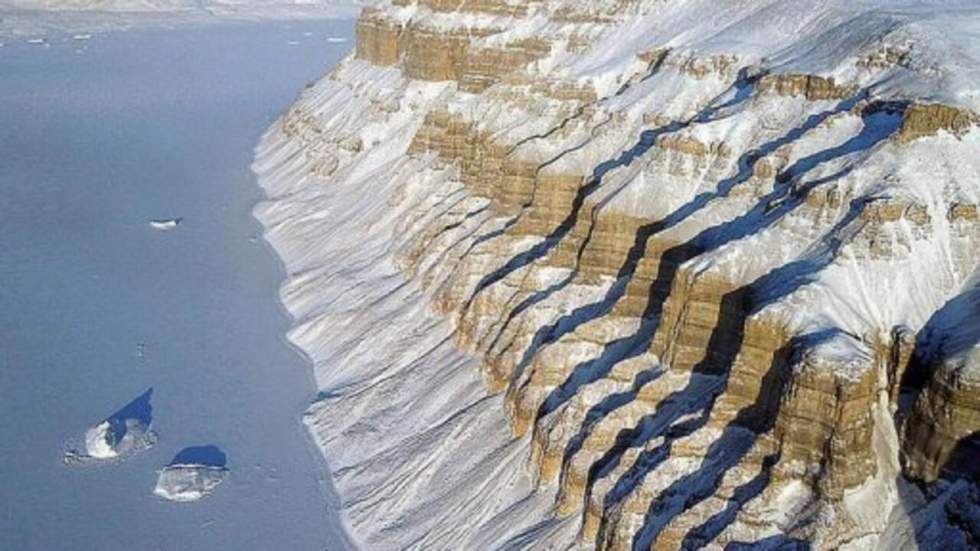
[641,273]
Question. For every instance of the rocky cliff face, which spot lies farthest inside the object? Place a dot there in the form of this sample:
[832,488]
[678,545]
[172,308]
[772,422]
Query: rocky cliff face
[714,265]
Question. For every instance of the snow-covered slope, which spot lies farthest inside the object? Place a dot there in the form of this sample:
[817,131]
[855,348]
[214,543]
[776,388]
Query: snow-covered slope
[637,273]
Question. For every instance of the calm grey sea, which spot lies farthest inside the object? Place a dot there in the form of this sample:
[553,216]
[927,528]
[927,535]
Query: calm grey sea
[98,137]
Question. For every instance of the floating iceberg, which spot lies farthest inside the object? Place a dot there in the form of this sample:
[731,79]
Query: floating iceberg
[165,224]
[120,435]
[188,482]
[109,439]
[194,473]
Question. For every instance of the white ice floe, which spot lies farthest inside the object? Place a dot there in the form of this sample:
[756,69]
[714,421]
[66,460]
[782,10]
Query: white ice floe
[84,36]
[165,224]
[336,39]
[185,483]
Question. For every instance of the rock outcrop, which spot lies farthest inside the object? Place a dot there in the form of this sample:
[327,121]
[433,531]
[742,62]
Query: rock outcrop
[702,268]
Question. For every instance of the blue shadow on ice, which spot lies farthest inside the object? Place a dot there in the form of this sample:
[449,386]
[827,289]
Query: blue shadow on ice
[211,456]
[139,409]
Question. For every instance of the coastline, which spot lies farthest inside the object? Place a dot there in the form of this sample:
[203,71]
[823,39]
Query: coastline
[332,496]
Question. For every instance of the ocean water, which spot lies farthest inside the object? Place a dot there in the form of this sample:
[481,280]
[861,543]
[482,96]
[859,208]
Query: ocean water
[97,138]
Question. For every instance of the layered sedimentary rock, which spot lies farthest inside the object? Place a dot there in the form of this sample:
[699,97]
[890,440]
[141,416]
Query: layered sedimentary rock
[940,434]
[707,274]
[940,431]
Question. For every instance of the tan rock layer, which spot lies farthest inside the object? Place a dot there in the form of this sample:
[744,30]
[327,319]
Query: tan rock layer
[828,421]
[425,53]
[811,87]
[433,54]
[923,120]
[484,67]
[377,38]
[941,434]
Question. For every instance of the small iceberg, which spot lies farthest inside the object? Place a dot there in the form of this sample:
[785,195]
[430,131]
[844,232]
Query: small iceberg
[336,39]
[193,474]
[119,436]
[184,483]
[293,43]
[35,41]
[165,224]
[84,36]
